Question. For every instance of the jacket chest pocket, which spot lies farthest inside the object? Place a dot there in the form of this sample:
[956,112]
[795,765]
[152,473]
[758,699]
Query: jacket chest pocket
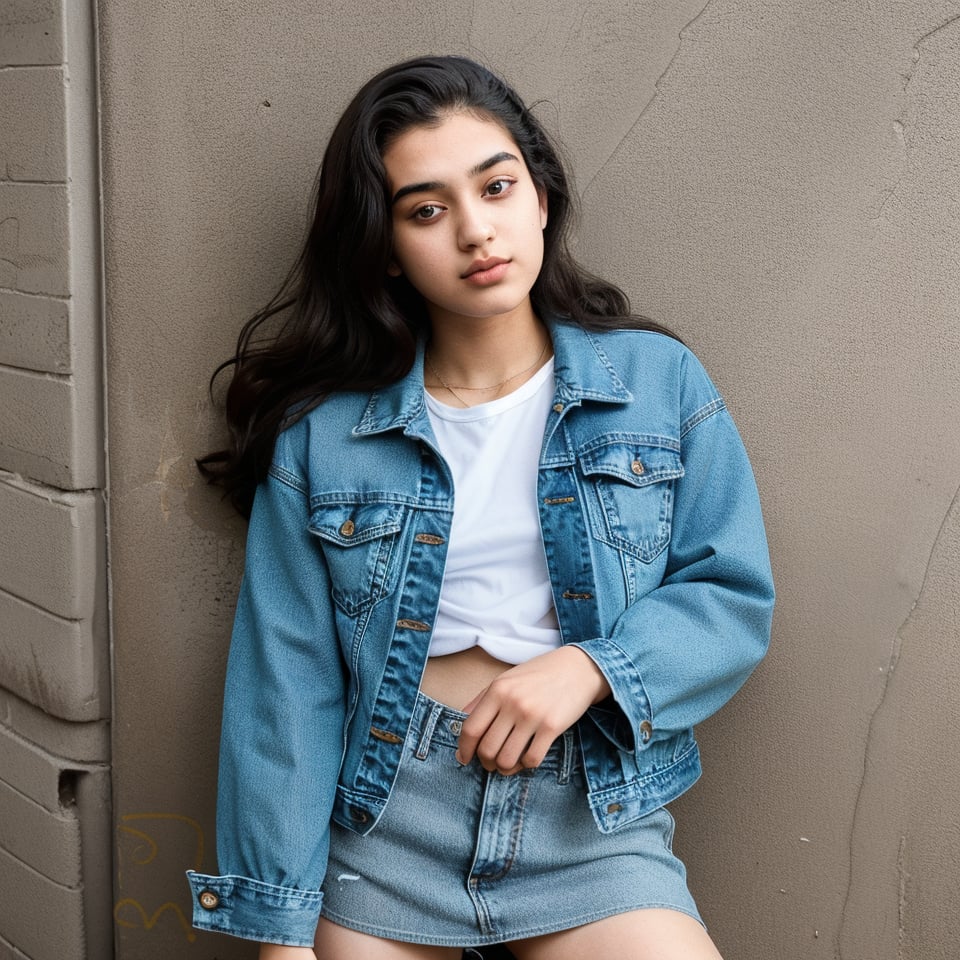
[630,494]
[360,547]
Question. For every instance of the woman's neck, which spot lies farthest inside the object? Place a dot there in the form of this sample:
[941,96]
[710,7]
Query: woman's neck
[477,360]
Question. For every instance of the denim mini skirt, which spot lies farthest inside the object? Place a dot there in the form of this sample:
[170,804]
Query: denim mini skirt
[462,857]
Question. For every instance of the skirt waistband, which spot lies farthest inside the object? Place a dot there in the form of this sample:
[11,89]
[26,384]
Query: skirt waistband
[435,724]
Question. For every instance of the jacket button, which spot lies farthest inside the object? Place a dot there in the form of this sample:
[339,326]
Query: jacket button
[358,815]
[637,467]
[614,808]
[347,528]
[558,408]
[208,900]
[646,731]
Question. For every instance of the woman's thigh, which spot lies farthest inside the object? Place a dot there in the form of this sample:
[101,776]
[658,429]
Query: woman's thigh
[649,934]
[334,942]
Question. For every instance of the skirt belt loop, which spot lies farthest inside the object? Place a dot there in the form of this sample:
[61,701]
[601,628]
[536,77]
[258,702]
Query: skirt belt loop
[567,756]
[426,735]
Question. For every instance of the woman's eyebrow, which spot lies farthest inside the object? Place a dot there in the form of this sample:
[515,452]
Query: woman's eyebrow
[492,162]
[429,185]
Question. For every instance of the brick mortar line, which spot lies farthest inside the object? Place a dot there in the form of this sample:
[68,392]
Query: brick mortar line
[41,374]
[36,487]
[69,763]
[78,766]
[36,606]
[7,182]
[32,66]
[58,297]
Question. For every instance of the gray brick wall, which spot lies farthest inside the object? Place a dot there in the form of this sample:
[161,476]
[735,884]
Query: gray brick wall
[55,836]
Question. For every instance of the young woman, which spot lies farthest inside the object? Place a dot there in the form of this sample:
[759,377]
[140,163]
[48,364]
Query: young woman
[505,551]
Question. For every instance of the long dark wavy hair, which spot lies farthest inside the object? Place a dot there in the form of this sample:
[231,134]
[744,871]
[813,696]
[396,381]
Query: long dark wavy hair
[339,322]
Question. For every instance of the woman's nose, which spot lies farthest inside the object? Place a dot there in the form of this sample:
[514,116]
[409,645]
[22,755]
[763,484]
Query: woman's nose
[476,227]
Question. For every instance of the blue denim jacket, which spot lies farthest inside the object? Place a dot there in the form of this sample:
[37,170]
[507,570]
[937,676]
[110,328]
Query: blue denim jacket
[656,552]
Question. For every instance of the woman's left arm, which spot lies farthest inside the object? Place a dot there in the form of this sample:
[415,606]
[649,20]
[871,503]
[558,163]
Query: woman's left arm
[676,654]
[681,651]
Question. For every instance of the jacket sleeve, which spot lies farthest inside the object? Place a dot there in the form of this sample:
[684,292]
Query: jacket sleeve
[282,740]
[680,651]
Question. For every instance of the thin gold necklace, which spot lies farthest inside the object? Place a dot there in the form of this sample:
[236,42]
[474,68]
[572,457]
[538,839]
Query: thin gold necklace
[493,386]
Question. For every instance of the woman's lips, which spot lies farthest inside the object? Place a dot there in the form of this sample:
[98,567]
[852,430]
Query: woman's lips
[481,275]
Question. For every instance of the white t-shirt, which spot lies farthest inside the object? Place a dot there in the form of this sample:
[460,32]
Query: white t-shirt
[496,591]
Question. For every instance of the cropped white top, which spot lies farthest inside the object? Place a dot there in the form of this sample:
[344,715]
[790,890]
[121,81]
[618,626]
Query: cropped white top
[496,590]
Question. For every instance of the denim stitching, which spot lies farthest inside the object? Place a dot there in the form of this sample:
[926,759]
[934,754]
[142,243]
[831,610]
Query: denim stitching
[704,413]
[288,478]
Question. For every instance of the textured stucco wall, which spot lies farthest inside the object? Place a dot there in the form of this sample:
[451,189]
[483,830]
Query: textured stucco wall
[55,819]
[776,180]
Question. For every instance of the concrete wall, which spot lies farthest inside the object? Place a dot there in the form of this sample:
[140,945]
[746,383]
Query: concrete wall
[777,180]
[55,820]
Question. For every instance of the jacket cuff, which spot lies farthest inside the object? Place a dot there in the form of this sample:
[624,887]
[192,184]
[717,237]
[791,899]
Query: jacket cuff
[624,717]
[255,910]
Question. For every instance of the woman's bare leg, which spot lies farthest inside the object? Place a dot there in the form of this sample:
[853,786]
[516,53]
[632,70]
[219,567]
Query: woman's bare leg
[651,934]
[334,942]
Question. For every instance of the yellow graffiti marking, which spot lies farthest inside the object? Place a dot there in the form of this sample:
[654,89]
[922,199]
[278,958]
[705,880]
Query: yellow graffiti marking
[144,853]
[198,858]
[154,847]
[148,923]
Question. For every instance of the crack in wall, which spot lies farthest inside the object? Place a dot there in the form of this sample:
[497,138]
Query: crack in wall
[895,652]
[576,30]
[938,29]
[9,447]
[901,125]
[656,92]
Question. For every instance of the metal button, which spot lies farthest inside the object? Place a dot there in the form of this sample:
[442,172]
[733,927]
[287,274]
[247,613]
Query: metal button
[208,900]
[558,408]
[347,528]
[455,727]
[637,467]
[614,808]
[646,731]
[358,815]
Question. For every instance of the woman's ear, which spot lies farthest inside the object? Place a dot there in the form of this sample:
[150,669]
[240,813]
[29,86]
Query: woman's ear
[542,194]
[393,269]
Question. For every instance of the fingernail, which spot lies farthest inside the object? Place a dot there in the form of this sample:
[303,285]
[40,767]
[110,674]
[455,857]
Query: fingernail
[459,759]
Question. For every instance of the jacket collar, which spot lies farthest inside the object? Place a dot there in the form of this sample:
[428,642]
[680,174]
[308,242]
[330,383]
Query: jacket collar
[582,371]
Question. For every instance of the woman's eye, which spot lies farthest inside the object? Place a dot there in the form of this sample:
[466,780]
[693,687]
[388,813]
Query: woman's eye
[498,187]
[427,212]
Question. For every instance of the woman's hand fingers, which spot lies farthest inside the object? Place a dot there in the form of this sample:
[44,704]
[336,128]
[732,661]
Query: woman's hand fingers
[515,719]
[482,715]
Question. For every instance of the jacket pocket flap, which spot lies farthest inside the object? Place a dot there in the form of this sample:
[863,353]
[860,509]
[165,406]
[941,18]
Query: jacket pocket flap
[633,462]
[350,524]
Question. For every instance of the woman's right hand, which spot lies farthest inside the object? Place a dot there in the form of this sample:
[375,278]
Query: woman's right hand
[276,951]
[518,715]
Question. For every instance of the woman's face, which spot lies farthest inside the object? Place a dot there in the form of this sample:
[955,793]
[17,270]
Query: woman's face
[467,218]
